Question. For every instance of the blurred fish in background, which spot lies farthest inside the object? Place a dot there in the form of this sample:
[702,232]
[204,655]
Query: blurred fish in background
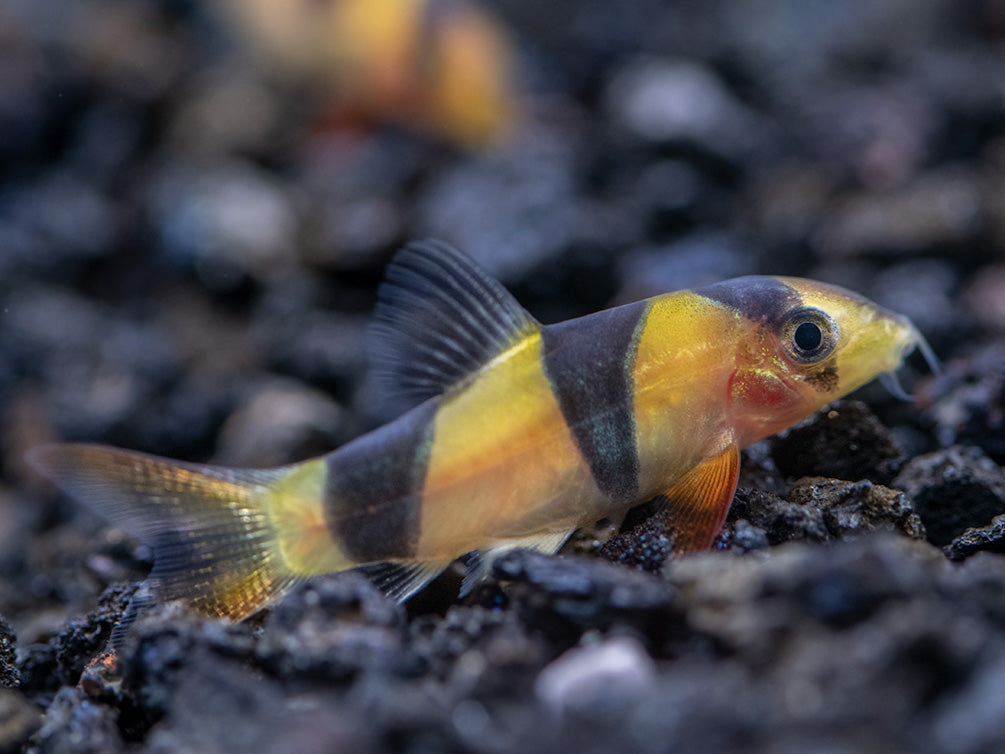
[442,66]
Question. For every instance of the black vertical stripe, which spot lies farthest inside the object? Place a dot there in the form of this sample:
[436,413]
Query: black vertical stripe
[373,490]
[590,363]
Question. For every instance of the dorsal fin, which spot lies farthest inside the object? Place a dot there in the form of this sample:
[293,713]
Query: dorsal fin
[439,318]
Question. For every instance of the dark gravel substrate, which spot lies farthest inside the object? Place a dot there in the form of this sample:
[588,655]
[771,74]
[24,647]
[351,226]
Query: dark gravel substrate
[188,257]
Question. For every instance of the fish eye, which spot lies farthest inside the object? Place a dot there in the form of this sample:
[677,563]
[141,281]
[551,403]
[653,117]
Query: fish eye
[809,335]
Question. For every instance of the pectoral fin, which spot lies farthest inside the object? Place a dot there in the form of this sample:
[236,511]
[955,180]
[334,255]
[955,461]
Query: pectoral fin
[697,504]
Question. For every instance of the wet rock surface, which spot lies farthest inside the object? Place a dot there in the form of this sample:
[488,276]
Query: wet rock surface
[968,402]
[954,489]
[990,538]
[851,510]
[189,254]
[10,676]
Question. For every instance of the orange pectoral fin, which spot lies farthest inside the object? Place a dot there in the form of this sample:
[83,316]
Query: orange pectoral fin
[697,505]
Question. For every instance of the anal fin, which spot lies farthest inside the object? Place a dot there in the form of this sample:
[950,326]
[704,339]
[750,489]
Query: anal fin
[400,580]
[480,561]
[698,503]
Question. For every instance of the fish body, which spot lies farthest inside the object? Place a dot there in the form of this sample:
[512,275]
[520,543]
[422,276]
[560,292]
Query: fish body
[444,66]
[520,433]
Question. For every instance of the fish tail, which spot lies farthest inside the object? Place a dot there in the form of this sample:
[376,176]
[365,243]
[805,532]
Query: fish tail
[227,541]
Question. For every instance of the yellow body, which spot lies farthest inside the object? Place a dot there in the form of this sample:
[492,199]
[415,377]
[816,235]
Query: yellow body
[523,433]
[502,440]
[680,381]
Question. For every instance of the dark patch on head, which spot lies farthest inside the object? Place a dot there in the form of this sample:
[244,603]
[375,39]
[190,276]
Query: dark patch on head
[373,488]
[590,363]
[825,380]
[758,298]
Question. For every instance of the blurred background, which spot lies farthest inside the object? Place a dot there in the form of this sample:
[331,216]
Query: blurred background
[197,200]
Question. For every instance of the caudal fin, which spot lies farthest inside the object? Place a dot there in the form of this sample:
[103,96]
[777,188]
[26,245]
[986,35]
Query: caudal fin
[214,533]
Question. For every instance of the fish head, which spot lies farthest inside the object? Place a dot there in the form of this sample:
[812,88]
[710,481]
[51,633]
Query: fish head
[803,344]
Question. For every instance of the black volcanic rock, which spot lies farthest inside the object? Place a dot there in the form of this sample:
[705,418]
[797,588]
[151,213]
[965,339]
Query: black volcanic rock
[952,490]
[846,441]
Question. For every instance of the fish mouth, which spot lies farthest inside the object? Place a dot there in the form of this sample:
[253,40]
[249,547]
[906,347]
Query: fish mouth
[917,342]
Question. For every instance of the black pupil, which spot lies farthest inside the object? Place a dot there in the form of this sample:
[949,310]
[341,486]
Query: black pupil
[808,336]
